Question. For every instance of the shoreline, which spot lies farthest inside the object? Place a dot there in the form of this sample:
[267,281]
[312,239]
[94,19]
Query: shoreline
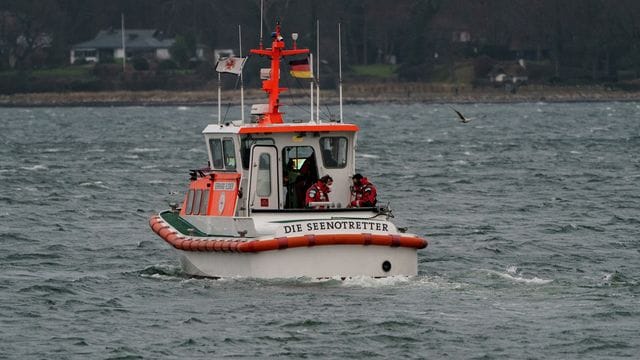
[354,94]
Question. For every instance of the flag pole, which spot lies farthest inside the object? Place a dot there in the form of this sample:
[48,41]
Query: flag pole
[261,16]
[340,68]
[311,86]
[241,80]
[219,100]
[124,48]
[318,71]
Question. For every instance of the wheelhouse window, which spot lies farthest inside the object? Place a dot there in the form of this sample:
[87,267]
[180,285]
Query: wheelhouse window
[297,157]
[216,153]
[263,185]
[229,152]
[334,151]
[245,148]
[223,154]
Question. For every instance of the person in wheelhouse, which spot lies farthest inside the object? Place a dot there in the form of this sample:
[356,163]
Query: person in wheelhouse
[319,192]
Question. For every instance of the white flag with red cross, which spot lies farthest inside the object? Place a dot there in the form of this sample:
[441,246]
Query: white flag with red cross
[232,65]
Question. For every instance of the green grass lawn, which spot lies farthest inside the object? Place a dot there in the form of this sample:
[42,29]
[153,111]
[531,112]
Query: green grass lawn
[383,71]
[60,72]
[463,73]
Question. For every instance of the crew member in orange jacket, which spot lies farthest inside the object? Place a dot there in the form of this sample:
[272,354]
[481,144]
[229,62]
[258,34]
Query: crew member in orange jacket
[365,193]
[319,191]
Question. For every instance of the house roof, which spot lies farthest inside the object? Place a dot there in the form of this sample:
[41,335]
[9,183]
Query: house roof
[134,39]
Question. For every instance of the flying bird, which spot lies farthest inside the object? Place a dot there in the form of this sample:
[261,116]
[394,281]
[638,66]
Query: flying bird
[463,119]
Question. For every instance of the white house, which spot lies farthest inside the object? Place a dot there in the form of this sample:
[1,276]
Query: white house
[138,42]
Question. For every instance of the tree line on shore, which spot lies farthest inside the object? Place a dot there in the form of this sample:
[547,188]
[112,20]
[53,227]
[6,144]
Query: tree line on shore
[556,41]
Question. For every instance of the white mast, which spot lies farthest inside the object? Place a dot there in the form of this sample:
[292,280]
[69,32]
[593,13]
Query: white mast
[340,68]
[241,80]
[311,86]
[261,15]
[219,100]
[318,71]
[124,48]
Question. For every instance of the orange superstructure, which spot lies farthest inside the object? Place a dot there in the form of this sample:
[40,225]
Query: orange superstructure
[272,85]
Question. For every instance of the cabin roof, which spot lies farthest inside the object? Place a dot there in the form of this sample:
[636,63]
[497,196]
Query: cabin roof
[280,128]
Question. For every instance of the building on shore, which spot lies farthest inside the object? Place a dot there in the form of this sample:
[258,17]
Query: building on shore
[107,46]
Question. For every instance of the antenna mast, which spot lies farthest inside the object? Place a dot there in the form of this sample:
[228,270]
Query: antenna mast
[340,68]
[318,71]
[241,80]
[272,85]
[261,17]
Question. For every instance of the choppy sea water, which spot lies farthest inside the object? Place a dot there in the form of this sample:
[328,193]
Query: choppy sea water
[532,212]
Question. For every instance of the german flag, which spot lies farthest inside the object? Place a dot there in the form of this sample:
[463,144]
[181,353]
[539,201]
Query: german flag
[300,69]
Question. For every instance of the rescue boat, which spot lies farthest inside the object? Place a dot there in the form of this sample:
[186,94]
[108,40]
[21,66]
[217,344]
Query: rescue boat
[244,215]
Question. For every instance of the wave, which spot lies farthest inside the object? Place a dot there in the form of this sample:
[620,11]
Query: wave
[369,282]
[35,167]
[163,272]
[143,150]
[55,150]
[616,278]
[368,156]
[512,273]
[94,184]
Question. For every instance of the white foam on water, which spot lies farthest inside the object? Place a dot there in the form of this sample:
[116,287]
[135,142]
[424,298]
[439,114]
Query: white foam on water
[512,275]
[54,150]
[143,150]
[183,108]
[35,167]
[435,282]
[27,188]
[369,156]
[159,277]
[370,282]
[98,184]
[91,183]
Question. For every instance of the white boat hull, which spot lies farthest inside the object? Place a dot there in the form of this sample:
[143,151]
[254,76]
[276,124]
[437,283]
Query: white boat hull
[312,262]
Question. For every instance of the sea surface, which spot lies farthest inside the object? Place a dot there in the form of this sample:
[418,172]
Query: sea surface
[532,212]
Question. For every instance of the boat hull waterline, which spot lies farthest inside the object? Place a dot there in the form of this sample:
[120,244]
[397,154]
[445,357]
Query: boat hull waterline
[308,254]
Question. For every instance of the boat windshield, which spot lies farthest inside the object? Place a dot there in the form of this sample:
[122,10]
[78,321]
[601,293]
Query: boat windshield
[245,148]
[334,151]
[223,154]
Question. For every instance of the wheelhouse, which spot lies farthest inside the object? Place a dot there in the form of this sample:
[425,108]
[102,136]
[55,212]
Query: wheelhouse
[275,164]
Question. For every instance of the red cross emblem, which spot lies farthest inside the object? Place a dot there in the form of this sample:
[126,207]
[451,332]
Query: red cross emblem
[229,64]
